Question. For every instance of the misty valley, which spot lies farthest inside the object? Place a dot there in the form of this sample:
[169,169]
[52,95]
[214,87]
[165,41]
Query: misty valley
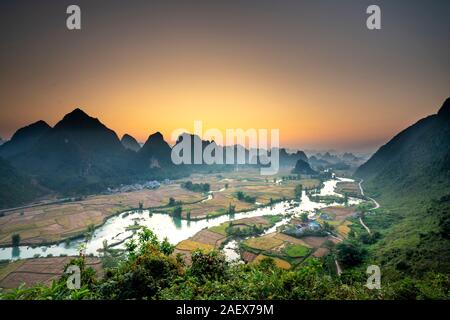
[330,212]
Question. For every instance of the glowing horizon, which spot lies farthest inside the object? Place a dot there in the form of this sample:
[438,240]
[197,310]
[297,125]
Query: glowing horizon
[158,67]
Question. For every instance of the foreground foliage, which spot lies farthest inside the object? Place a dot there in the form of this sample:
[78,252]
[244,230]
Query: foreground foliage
[151,271]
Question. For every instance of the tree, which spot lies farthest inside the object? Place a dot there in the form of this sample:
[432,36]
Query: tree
[327,227]
[208,265]
[349,254]
[172,202]
[15,239]
[166,247]
[90,231]
[298,191]
[231,209]
[304,217]
[240,195]
[105,246]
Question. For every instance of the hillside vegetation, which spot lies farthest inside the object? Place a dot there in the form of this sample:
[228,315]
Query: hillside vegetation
[150,271]
[410,177]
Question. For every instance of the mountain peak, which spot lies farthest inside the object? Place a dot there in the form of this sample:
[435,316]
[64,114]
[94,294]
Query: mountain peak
[155,139]
[126,136]
[77,114]
[445,109]
[156,136]
[40,123]
[155,147]
[78,119]
[35,128]
[130,142]
[24,138]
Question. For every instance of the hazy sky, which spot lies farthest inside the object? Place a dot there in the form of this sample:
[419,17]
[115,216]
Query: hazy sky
[310,68]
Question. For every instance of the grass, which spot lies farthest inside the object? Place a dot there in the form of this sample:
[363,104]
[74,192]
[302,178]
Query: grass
[296,251]
[273,219]
[220,228]
[263,243]
[308,183]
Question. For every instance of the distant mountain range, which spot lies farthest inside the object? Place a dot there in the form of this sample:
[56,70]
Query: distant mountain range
[346,162]
[417,160]
[80,155]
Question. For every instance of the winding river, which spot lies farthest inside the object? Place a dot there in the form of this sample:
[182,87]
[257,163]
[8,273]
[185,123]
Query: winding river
[116,230]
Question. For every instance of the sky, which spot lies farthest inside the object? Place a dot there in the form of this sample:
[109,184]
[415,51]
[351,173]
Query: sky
[311,69]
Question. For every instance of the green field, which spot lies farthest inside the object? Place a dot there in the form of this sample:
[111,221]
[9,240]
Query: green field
[296,251]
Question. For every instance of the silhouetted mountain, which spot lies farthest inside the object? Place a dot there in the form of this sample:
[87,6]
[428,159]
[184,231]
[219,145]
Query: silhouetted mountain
[24,139]
[86,133]
[15,188]
[78,155]
[290,159]
[156,152]
[416,161]
[2,141]
[410,177]
[303,167]
[130,143]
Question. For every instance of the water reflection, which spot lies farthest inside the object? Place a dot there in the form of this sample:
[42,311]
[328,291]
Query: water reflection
[15,252]
[177,222]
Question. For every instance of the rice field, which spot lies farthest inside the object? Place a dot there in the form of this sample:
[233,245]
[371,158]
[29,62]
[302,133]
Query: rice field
[53,223]
[344,228]
[296,251]
[278,262]
[43,270]
[57,222]
[266,242]
[190,245]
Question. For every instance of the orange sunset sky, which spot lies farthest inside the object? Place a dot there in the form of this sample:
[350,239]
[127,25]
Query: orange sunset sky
[309,68]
